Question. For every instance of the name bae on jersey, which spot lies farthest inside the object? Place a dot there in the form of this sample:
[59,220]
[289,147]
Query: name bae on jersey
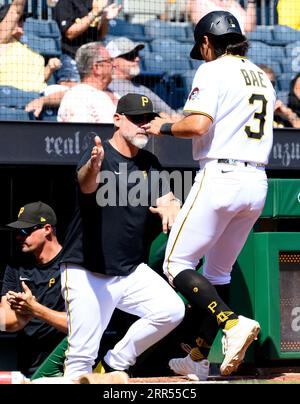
[254,78]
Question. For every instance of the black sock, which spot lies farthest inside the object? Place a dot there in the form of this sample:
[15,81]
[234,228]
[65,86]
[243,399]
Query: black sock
[109,369]
[223,291]
[203,295]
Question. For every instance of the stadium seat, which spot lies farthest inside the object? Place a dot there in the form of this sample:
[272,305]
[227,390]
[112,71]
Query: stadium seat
[190,32]
[293,49]
[283,96]
[263,33]
[162,29]
[275,66]
[261,52]
[48,47]
[171,90]
[119,27]
[284,35]
[42,28]
[13,97]
[284,81]
[48,114]
[13,114]
[277,53]
[154,63]
[196,63]
[171,46]
[170,63]
[291,62]
[187,78]
[290,65]
[167,47]
[185,48]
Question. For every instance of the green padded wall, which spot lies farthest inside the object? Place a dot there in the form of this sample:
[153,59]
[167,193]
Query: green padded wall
[283,198]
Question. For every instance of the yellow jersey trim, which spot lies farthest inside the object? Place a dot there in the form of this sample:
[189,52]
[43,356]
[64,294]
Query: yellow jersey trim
[199,113]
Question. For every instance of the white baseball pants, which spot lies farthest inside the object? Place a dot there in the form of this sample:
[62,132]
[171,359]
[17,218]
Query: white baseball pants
[91,299]
[224,203]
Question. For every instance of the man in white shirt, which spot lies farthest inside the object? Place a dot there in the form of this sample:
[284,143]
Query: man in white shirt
[90,101]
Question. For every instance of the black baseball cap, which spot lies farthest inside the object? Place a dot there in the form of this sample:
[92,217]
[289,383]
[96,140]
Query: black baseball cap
[215,23]
[33,214]
[135,104]
[4,10]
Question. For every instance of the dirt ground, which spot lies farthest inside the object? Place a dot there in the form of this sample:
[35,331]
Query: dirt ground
[277,375]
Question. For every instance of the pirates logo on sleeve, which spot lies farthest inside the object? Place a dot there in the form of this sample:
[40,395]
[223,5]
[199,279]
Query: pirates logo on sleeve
[194,93]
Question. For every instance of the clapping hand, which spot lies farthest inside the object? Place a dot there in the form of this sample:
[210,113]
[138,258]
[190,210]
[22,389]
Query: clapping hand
[112,11]
[21,302]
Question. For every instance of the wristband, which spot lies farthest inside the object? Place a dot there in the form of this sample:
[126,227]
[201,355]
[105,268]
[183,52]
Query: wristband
[165,129]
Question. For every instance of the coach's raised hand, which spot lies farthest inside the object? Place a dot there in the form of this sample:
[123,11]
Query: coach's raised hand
[88,174]
[97,154]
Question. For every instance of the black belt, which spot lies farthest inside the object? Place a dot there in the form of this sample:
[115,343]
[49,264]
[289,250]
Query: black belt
[238,162]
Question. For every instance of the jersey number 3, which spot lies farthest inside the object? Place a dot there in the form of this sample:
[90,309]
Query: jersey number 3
[260,116]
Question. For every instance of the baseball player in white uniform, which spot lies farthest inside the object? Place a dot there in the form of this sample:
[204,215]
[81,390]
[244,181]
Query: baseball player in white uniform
[229,116]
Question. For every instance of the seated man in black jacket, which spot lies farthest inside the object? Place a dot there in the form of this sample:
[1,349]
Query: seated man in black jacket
[31,302]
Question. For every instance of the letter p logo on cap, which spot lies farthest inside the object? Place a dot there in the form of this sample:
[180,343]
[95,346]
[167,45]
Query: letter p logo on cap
[145,101]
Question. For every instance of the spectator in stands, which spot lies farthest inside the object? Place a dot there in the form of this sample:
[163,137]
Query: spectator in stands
[289,13]
[31,302]
[125,67]
[80,22]
[125,54]
[294,95]
[245,16]
[90,101]
[284,116]
[20,67]
[175,10]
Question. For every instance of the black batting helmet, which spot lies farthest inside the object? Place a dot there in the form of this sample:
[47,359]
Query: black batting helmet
[216,23]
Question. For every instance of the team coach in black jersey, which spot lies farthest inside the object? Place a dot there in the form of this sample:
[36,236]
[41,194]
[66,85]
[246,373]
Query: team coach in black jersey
[31,303]
[105,252]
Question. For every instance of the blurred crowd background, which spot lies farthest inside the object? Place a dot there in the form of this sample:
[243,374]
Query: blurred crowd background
[54,30]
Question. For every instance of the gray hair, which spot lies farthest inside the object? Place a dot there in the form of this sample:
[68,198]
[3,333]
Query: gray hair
[86,56]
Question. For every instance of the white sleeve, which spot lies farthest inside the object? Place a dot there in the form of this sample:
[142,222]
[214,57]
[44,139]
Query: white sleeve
[204,95]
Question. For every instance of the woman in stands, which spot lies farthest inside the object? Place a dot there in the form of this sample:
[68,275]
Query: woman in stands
[20,66]
[294,95]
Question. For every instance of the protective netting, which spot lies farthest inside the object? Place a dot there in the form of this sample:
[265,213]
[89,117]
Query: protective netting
[38,51]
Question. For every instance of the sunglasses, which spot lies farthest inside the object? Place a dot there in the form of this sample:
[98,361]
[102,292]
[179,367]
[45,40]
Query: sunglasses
[139,119]
[130,56]
[29,230]
[103,62]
